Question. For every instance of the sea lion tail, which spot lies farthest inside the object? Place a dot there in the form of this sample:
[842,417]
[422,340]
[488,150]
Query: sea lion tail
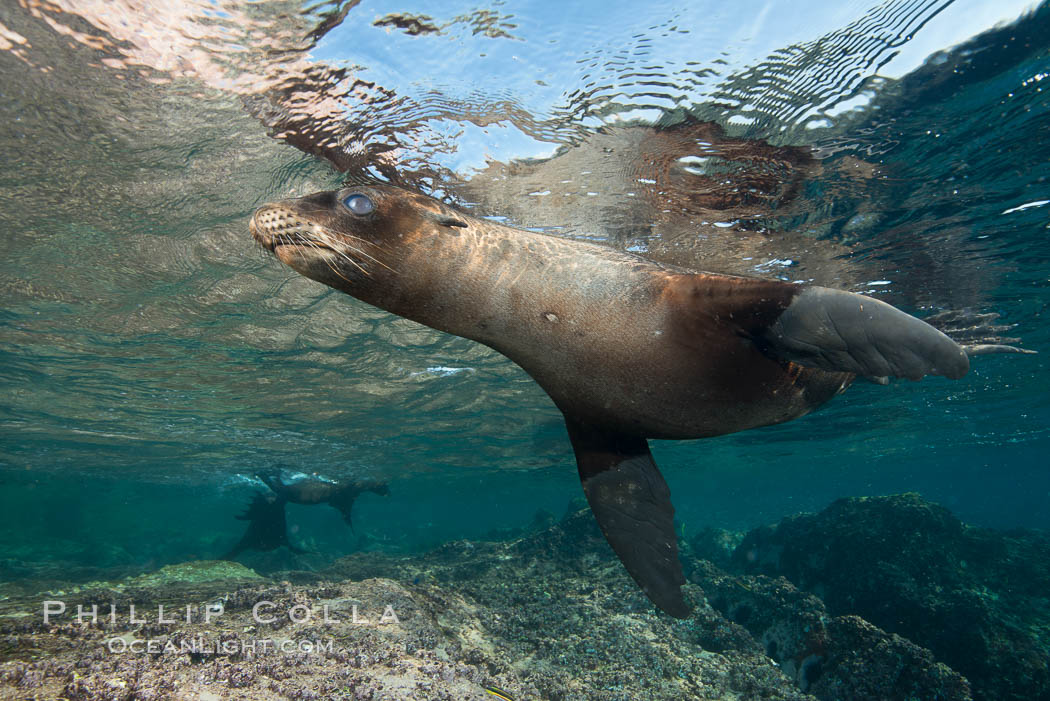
[845,332]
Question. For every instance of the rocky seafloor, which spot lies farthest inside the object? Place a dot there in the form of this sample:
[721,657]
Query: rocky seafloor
[873,598]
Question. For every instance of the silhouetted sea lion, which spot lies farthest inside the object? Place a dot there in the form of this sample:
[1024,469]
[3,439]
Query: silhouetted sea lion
[627,349]
[268,523]
[267,526]
[301,488]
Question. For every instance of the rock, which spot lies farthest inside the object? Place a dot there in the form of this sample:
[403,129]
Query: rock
[829,657]
[715,545]
[551,615]
[976,598]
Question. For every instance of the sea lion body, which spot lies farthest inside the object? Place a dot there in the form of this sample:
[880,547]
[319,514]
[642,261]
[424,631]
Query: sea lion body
[612,338]
[627,349]
[622,343]
[299,487]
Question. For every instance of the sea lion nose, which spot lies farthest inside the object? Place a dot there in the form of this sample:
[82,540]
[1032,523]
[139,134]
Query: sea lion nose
[259,227]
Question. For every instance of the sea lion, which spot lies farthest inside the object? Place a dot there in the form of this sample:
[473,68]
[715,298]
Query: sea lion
[301,488]
[627,349]
[267,521]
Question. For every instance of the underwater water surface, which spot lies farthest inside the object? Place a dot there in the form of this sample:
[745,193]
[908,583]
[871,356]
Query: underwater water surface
[154,358]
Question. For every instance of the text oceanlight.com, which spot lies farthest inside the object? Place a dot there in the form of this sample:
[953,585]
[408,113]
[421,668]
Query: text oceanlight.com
[200,646]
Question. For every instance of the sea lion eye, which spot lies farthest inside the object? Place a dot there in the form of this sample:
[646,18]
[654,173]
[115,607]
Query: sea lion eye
[358,204]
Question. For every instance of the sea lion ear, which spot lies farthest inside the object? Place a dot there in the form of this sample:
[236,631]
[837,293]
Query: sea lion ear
[445,219]
[632,504]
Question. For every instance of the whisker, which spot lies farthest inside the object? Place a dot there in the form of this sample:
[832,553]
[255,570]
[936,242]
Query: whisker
[375,260]
[348,260]
[342,247]
[305,233]
[332,267]
[358,251]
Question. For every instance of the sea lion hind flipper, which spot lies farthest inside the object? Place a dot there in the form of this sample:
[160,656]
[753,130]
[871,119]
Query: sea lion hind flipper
[979,333]
[271,477]
[267,525]
[632,504]
[845,332]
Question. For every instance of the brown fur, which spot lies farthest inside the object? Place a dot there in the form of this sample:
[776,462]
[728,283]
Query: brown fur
[615,340]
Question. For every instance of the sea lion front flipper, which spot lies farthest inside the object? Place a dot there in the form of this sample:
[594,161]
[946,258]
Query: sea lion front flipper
[343,500]
[344,504]
[845,332]
[632,504]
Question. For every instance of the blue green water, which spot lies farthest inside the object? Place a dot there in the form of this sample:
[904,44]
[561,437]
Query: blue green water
[152,358]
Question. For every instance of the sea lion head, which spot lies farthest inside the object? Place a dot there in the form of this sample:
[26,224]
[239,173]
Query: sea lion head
[345,237]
